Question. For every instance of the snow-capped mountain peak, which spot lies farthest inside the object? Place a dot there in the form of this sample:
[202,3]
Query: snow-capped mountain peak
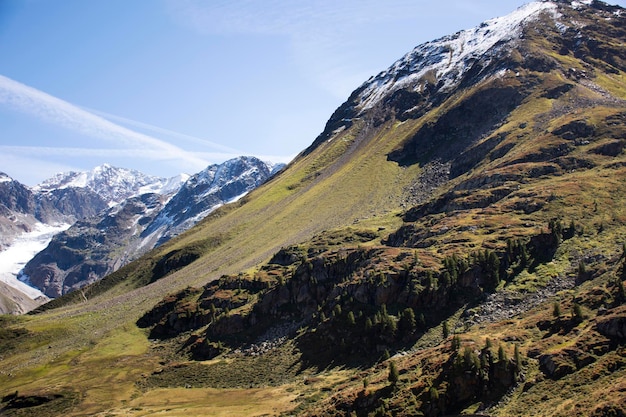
[443,62]
[5,178]
[111,183]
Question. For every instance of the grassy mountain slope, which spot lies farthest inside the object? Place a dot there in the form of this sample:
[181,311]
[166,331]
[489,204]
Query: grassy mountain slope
[475,235]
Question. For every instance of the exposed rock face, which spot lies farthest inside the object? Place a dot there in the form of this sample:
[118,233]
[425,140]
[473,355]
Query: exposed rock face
[93,247]
[613,325]
[17,210]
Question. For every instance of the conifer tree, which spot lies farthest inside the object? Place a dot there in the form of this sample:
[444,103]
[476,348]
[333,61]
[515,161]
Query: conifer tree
[337,310]
[350,318]
[582,271]
[577,312]
[445,329]
[518,359]
[421,320]
[502,355]
[394,375]
[407,323]
[434,394]
[456,342]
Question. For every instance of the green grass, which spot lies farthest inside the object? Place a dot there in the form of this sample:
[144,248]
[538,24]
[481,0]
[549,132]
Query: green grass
[275,368]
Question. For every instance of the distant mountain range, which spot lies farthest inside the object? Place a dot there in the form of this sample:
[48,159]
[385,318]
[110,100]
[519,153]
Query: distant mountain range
[97,221]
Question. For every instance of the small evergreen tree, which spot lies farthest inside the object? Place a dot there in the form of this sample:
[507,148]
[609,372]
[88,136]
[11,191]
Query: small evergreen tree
[488,343]
[394,375]
[213,312]
[556,310]
[337,310]
[493,270]
[577,312]
[421,321]
[502,355]
[407,324]
[518,359]
[433,394]
[582,271]
[510,251]
[456,342]
[445,329]
[524,257]
[350,318]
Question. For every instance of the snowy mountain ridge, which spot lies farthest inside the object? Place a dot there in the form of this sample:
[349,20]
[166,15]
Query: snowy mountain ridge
[442,63]
[5,178]
[207,190]
[96,246]
[112,183]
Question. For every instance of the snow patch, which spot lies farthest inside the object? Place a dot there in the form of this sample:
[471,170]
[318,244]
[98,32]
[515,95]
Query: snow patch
[581,4]
[165,186]
[22,250]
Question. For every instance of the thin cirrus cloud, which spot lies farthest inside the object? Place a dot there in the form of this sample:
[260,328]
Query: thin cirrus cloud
[322,34]
[149,154]
[43,106]
[226,150]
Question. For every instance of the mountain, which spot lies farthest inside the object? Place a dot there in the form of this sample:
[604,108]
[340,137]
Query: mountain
[110,183]
[17,209]
[205,191]
[101,244]
[451,244]
[30,217]
[68,197]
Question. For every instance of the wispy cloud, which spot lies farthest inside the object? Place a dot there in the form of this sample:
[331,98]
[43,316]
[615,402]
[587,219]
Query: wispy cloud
[134,153]
[165,132]
[59,112]
[323,34]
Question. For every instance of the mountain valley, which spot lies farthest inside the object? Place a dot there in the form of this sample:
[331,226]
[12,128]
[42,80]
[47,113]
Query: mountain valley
[453,243]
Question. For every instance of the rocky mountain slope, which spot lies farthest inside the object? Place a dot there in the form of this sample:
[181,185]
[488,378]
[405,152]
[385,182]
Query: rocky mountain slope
[101,244]
[452,243]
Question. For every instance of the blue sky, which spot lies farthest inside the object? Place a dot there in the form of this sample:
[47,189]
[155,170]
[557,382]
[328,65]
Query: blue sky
[170,86]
